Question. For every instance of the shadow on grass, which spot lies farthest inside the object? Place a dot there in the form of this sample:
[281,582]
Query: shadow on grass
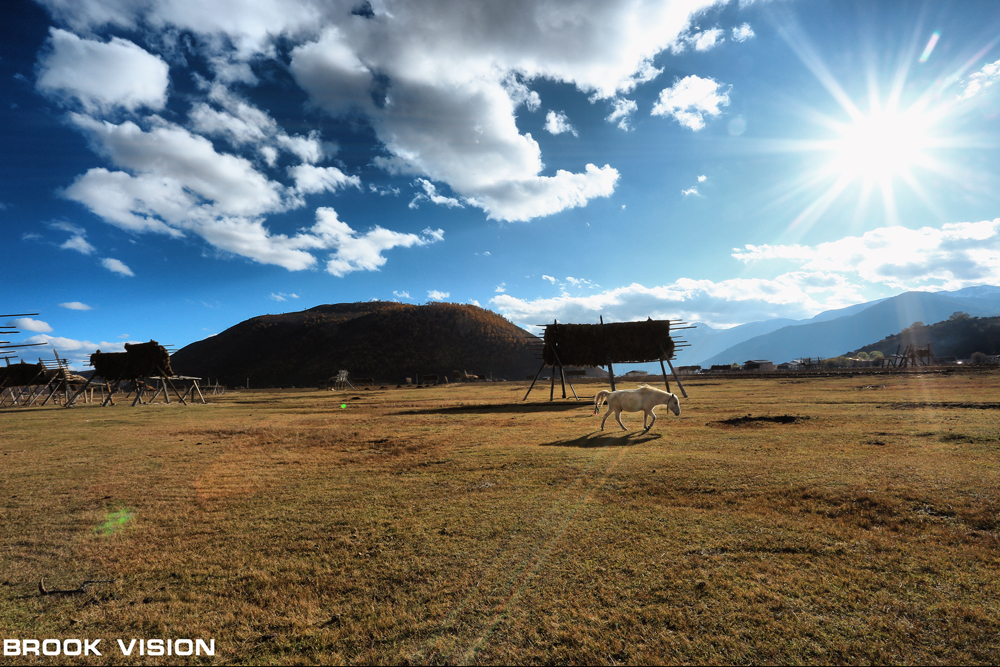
[606,439]
[506,408]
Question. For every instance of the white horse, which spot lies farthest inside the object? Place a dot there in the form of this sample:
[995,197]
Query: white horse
[644,398]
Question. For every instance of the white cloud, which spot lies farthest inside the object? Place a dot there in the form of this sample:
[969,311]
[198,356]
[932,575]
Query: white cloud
[430,194]
[281,296]
[984,78]
[401,294]
[177,183]
[550,279]
[703,40]
[439,83]
[622,113]
[29,324]
[557,123]
[116,266]
[436,295]
[102,76]
[75,305]
[689,100]
[708,39]
[718,304]
[702,178]
[76,352]
[242,124]
[78,243]
[501,288]
[361,252]
[692,191]
[312,179]
[186,167]
[956,255]
[742,33]
[826,276]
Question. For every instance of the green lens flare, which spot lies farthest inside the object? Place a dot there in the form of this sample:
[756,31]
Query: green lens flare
[115,520]
[343,406]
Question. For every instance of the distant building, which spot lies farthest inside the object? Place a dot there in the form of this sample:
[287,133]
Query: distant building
[721,368]
[758,365]
[688,370]
[636,373]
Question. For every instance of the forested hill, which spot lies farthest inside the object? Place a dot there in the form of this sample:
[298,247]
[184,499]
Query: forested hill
[959,336]
[387,341]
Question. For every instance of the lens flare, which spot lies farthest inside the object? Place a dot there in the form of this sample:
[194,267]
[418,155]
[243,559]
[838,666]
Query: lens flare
[114,522]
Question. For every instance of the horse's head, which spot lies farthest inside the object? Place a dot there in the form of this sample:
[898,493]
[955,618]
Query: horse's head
[674,405]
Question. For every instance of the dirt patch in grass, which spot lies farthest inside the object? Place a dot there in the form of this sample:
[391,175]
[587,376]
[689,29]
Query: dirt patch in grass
[750,420]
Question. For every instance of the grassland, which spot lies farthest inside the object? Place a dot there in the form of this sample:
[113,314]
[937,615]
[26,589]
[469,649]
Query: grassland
[827,520]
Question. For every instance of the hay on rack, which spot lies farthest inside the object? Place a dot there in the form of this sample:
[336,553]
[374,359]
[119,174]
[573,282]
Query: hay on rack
[139,360]
[112,366]
[148,359]
[597,344]
[21,374]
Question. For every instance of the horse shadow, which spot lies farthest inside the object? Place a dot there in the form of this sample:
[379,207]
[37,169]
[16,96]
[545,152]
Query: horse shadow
[606,439]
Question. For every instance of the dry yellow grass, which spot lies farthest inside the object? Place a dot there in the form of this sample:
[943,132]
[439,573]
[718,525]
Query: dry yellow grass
[459,525]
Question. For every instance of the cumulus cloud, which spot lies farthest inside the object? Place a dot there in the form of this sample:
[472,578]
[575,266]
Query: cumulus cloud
[720,304]
[621,113]
[826,276]
[690,192]
[430,194]
[439,84]
[175,182]
[76,352]
[78,243]
[116,266]
[742,33]
[102,76]
[435,295]
[689,100]
[75,305]
[312,179]
[557,123]
[953,256]
[354,251]
[29,324]
[401,294]
[984,78]
[702,178]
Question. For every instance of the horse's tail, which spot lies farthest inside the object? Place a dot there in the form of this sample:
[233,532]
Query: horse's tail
[600,398]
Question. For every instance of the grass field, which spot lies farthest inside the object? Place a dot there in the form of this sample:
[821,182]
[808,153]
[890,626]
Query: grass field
[826,520]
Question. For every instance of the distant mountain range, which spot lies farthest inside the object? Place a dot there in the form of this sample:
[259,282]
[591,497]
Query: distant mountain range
[835,332]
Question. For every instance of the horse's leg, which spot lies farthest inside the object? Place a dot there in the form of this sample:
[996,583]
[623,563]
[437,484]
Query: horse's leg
[618,416]
[606,415]
[651,414]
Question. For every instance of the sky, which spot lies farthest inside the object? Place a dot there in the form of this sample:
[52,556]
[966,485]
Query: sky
[170,168]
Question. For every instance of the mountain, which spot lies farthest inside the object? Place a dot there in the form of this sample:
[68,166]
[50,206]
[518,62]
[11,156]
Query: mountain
[386,341]
[959,336]
[707,343]
[834,333]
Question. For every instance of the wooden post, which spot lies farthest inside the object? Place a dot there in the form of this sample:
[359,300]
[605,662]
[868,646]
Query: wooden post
[195,381]
[664,371]
[611,369]
[563,370]
[676,377]
[535,380]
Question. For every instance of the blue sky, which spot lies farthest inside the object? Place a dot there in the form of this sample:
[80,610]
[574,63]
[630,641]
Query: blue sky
[171,168]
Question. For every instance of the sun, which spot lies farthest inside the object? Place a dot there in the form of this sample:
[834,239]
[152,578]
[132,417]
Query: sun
[880,146]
